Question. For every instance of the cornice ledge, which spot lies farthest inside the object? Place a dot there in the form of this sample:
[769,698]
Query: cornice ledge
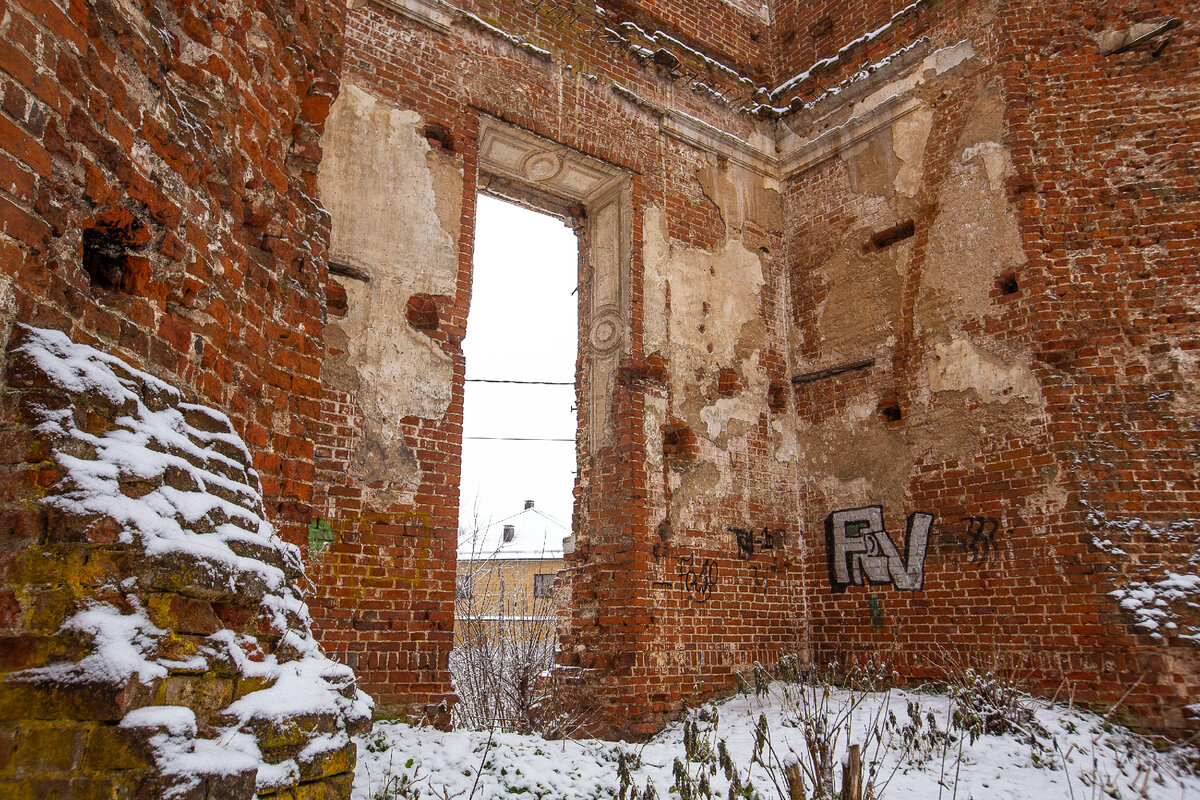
[430,13]
[799,154]
[756,157]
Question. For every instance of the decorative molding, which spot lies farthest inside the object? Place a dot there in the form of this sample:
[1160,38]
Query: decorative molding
[804,153]
[521,164]
[697,133]
[430,13]
[516,154]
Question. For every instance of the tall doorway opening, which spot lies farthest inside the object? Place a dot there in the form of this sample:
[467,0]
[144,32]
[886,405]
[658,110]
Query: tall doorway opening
[519,461]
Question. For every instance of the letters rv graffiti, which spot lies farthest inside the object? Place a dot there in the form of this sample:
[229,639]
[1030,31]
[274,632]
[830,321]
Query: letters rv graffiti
[698,584]
[860,550]
[746,540]
[982,545]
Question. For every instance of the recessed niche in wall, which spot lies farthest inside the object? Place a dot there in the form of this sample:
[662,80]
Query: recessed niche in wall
[1007,282]
[889,236]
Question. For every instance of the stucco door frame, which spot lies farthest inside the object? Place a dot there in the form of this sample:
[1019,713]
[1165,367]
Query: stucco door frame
[522,166]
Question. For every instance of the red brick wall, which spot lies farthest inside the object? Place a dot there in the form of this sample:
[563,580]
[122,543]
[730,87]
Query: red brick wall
[1107,190]
[1103,313]
[188,139]
[626,580]
[183,142]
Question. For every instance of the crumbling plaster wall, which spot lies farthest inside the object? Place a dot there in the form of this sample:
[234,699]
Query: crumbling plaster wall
[893,275]
[916,391]
[395,204]
[856,298]
[704,234]
[931,362]
[395,198]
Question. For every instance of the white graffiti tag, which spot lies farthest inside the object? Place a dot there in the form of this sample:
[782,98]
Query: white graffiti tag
[860,550]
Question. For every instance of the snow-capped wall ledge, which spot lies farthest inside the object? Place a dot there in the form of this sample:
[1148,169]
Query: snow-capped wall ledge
[165,615]
[869,101]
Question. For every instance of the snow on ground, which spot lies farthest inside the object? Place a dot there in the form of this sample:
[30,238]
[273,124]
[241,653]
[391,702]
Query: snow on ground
[1081,757]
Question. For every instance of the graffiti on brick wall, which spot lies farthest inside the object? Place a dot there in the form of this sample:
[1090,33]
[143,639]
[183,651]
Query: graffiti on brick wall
[396,548]
[748,541]
[698,580]
[320,536]
[759,577]
[982,544]
[860,551]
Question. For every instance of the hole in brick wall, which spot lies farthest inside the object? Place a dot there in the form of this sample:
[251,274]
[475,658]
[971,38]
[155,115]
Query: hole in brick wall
[1007,283]
[108,258]
[104,259]
[890,411]
[777,396]
[889,236]
[336,302]
[437,134]
[680,446]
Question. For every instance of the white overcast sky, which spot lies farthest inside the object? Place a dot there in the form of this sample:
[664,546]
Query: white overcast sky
[523,325]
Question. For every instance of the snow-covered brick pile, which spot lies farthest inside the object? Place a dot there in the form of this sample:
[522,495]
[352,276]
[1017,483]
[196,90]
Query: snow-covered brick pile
[180,632]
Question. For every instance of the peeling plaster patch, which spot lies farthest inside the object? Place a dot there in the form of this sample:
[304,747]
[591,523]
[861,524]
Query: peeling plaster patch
[975,235]
[995,162]
[447,174]
[395,206]
[693,490]
[786,441]
[656,255]
[871,165]
[936,63]
[654,418]
[8,305]
[742,195]
[959,365]
[858,317]
[851,492]
[909,137]
[712,297]
[376,181]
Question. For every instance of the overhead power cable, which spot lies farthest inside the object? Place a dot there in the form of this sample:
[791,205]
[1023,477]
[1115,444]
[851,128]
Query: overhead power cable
[524,383]
[515,439]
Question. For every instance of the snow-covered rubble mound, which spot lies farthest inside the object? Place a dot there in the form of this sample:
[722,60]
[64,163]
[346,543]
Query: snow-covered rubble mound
[184,626]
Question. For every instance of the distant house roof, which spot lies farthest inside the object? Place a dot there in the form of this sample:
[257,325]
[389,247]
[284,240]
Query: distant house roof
[535,535]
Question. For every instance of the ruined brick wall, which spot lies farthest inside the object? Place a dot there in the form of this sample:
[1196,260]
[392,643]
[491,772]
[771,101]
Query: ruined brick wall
[684,444]
[157,175]
[992,327]
[158,166]
[1106,183]
[155,640]
[964,232]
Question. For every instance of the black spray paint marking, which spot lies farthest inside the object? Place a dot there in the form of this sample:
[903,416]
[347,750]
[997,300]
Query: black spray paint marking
[982,544]
[860,551]
[747,542]
[698,584]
